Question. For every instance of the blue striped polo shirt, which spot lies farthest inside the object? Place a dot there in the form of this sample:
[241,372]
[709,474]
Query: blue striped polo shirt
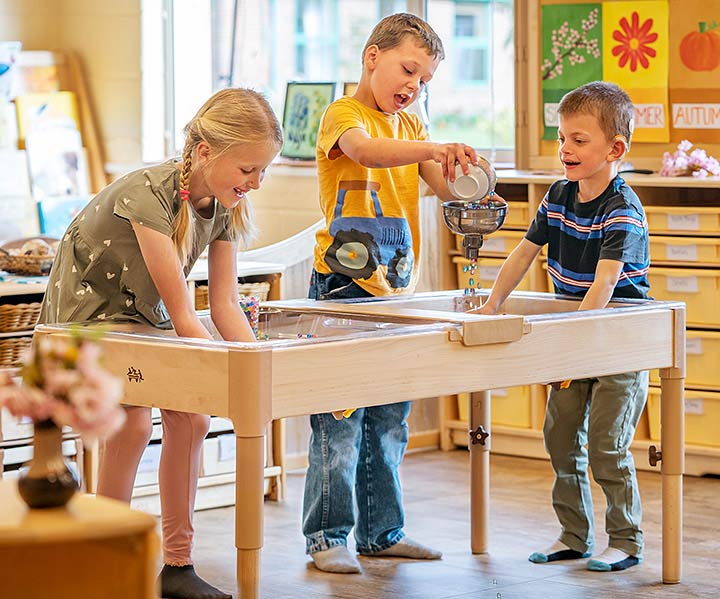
[579,234]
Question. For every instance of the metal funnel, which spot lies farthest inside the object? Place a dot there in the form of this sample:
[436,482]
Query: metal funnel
[473,220]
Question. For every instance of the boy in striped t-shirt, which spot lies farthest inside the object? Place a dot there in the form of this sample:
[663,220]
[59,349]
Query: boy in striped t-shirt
[596,232]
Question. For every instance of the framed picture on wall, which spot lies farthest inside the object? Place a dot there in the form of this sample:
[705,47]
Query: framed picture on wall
[56,162]
[305,103]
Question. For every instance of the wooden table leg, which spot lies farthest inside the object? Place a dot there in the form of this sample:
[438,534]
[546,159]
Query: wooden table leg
[479,446]
[672,435]
[249,496]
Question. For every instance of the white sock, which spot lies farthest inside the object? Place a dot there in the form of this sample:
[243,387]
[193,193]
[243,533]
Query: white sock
[555,547]
[336,559]
[408,548]
[611,555]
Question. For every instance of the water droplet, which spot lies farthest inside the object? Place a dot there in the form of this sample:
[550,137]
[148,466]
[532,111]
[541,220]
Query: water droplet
[471,281]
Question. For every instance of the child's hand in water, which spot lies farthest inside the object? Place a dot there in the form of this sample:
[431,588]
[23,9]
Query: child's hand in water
[484,309]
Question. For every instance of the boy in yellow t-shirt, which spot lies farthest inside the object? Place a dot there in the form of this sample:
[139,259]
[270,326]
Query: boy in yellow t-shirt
[370,156]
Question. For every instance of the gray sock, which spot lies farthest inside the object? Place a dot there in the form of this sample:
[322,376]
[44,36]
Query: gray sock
[336,559]
[408,548]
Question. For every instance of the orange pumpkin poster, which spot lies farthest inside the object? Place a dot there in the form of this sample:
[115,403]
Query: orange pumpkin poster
[695,70]
[635,56]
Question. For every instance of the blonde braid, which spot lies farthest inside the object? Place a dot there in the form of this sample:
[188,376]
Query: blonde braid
[182,234]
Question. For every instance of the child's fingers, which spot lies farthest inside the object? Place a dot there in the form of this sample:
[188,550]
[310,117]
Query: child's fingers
[472,154]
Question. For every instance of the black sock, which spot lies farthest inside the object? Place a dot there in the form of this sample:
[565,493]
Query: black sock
[181,582]
[566,554]
[624,564]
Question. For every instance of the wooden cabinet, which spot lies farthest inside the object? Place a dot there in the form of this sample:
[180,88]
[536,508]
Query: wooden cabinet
[684,221]
[95,547]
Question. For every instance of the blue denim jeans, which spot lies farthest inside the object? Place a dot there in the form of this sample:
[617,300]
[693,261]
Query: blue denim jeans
[361,454]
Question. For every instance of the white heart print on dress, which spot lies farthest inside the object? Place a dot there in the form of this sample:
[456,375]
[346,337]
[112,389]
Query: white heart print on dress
[110,275]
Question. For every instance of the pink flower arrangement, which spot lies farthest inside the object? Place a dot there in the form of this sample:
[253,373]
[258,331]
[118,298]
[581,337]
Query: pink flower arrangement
[696,163]
[62,380]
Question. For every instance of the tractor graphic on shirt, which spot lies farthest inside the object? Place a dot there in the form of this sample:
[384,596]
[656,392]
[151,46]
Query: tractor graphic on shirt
[362,244]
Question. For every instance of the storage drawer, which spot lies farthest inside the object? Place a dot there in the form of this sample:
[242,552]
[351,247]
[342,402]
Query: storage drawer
[517,216]
[681,250]
[702,416]
[497,244]
[13,428]
[699,289]
[218,455]
[509,407]
[683,219]
[702,361]
[485,275]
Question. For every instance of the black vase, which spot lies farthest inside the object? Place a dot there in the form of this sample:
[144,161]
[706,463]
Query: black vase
[47,482]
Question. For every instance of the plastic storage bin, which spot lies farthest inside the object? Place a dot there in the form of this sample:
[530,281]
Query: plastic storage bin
[698,288]
[509,407]
[685,220]
[702,416]
[497,244]
[702,361]
[518,216]
[682,250]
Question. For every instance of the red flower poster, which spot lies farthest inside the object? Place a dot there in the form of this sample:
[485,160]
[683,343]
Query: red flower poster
[635,56]
[695,70]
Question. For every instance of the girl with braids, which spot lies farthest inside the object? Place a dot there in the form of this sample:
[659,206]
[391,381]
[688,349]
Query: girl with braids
[125,257]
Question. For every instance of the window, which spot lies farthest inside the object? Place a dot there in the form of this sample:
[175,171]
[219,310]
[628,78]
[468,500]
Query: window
[211,44]
[471,98]
[470,43]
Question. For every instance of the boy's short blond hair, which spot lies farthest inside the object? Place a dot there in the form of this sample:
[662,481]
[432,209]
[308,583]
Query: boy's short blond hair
[390,32]
[607,102]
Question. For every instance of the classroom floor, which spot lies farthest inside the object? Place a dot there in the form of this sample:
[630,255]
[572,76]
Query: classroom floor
[437,513]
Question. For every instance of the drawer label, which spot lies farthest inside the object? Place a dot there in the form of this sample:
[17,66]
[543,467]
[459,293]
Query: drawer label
[682,284]
[488,273]
[695,406]
[681,252]
[693,345]
[494,244]
[226,447]
[684,222]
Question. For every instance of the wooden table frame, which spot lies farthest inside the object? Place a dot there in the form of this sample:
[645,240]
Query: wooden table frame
[253,384]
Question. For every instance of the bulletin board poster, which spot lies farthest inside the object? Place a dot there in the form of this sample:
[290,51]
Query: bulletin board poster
[695,70]
[636,57]
[571,54]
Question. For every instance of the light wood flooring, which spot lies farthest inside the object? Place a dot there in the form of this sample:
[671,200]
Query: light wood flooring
[436,494]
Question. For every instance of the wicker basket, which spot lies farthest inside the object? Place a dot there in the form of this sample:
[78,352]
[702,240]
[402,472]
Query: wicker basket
[259,290]
[18,317]
[12,350]
[26,265]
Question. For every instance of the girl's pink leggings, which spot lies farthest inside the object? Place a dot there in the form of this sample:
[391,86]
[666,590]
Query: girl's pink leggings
[182,439]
